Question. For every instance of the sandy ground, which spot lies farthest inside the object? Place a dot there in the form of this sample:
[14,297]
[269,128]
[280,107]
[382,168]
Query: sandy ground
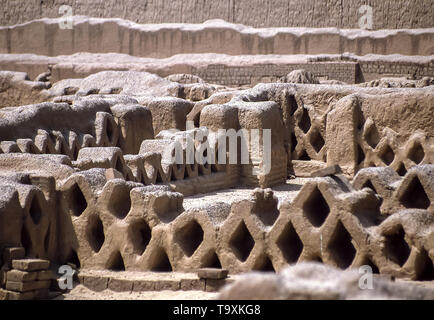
[284,192]
[80,292]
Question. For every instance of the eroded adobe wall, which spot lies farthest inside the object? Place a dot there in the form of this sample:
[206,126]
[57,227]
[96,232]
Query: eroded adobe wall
[393,130]
[106,223]
[45,37]
[110,215]
[389,14]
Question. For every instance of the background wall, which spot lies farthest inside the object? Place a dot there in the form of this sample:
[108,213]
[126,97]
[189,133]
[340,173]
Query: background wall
[45,37]
[388,14]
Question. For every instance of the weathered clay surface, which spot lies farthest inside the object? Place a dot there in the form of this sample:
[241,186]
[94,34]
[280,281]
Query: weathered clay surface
[390,14]
[45,37]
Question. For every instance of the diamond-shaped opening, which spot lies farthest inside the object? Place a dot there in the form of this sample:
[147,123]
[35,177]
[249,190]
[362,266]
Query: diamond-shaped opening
[166,208]
[402,171]
[425,267]
[119,166]
[78,203]
[316,259]
[290,244]
[242,242]
[360,121]
[316,209]
[265,265]
[293,142]
[387,155]
[369,216]
[140,235]
[304,122]
[70,91]
[212,261]
[120,203]
[26,241]
[73,258]
[161,262]
[160,178]
[292,105]
[116,90]
[95,232]
[35,210]
[416,153]
[74,152]
[341,247]
[304,156]
[93,91]
[63,148]
[396,248]
[110,130]
[317,141]
[360,155]
[266,214]
[415,196]
[115,262]
[372,137]
[368,184]
[47,239]
[189,237]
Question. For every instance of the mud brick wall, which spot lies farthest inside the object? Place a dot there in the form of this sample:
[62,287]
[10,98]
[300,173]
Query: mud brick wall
[349,72]
[388,14]
[377,69]
[124,226]
[251,75]
[46,37]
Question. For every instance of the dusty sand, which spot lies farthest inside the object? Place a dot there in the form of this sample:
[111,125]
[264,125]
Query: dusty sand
[284,192]
[80,292]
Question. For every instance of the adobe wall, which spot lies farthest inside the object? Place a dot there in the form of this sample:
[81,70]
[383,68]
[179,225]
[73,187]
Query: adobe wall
[45,37]
[224,69]
[387,14]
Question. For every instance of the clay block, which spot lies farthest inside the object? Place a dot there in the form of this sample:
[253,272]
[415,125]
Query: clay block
[331,170]
[27,286]
[31,264]
[95,283]
[120,285]
[30,295]
[167,285]
[10,254]
[192,284]
[21,276]
[212,273]
[143,285]
[45,275]
[11,295]
[41,294]
[305,168]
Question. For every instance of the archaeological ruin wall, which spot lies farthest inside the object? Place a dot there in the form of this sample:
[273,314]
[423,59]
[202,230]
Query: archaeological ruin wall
[389,14]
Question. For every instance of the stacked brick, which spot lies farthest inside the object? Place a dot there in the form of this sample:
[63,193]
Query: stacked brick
[24,279]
